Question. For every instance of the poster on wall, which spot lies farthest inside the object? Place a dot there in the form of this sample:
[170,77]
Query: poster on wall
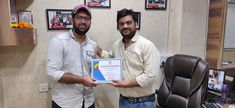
[59,19]
[138,14]
[98,3]
[156,4]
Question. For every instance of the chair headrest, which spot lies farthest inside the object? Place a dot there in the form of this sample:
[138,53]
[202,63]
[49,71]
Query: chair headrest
[184,65]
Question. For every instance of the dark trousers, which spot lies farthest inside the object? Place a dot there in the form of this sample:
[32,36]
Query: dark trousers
[54,105]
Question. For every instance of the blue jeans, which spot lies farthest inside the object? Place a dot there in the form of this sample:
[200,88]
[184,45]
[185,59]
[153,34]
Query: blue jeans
[124,103]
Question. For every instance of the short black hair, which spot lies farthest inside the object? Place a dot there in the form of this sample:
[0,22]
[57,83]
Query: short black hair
[124,12]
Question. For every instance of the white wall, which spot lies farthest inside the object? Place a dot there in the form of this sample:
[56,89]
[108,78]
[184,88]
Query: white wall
[103,30]
[188,27]
[153,24]
[229,41]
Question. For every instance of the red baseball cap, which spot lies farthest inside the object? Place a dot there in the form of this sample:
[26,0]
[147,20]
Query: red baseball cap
[79,7]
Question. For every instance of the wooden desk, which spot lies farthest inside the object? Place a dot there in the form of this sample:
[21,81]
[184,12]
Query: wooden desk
[228,66]
[230,71]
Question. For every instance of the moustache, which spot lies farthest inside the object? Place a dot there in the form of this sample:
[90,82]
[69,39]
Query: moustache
[125,29]
[82,25]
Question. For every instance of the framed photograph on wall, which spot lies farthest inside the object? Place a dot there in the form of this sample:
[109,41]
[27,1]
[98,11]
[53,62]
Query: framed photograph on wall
[59,19]
[14,18]
[155,4]
[138,14]
[98,3]
[25,16]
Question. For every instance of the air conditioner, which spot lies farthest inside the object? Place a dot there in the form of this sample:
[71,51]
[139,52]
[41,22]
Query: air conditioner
[231,1]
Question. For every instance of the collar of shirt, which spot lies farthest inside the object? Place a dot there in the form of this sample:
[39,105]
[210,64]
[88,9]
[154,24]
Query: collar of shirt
[73,37]
[133,40]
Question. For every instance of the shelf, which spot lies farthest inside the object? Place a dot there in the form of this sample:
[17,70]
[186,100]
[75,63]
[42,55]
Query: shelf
[14,36]
[25,36]
[17,36]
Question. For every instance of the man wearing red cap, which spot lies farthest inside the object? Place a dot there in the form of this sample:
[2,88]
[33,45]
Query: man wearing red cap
[68,63]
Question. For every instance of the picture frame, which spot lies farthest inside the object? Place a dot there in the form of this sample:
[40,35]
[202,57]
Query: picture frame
[14,18]
[25,16]
[155,4]
[98,3]
[59,19]
[138,14]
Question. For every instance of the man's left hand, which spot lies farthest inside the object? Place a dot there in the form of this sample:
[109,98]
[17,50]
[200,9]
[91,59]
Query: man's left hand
[124,83]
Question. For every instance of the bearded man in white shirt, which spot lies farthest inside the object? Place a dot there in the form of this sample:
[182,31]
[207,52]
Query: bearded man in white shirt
[68,63]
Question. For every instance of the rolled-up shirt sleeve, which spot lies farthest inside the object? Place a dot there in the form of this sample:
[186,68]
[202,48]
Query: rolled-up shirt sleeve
[151,72]
[55,59]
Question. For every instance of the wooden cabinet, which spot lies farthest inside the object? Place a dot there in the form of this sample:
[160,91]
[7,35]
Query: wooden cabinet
[13,36]
[215,37]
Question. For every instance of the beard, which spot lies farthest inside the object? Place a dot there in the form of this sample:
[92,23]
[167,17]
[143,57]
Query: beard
[128,35]
[79,31]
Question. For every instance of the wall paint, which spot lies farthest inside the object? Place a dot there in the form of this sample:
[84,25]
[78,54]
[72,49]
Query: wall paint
[188,27]
[230,26]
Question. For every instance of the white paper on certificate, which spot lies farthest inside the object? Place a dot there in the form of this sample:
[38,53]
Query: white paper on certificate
[106,70]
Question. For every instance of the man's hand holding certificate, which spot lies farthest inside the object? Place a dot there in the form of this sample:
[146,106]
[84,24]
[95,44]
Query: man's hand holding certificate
[106,70]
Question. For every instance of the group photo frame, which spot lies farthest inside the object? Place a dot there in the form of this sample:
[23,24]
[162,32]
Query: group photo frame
[98,3]
[25,16]
[59,19]
[155,4]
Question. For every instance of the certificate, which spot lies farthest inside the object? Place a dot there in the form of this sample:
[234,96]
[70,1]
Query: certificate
[106,70]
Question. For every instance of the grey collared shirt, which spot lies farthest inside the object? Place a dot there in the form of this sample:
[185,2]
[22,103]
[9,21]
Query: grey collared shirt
[65,54]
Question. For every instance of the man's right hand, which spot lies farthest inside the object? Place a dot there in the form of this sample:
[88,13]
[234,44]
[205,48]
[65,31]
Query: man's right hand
[99,51]
[69,78]
[89,82]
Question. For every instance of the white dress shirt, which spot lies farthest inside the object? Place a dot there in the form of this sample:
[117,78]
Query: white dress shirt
[65,54]
[141,61]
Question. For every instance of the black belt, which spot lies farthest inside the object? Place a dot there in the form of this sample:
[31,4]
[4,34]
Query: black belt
[139,99]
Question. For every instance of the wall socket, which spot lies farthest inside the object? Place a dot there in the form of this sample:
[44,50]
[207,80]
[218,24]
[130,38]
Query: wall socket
[43,87]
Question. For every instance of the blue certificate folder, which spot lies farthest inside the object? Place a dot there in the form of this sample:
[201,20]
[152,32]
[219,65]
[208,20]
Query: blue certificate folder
[106,70]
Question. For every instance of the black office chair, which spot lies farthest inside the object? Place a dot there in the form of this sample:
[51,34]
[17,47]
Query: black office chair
[185,82]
